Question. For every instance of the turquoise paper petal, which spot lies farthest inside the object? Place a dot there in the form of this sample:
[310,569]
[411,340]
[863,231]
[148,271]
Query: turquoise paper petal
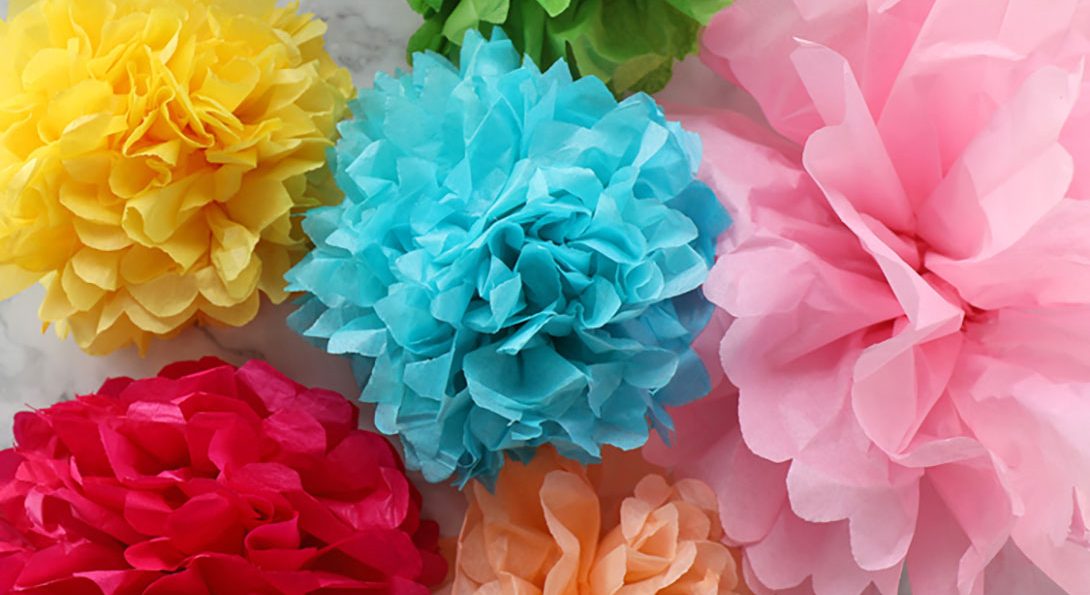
[517,261]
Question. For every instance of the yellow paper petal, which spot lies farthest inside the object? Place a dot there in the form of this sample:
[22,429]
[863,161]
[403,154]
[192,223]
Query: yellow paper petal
[260,202]
[87,133]
[112,339]
[246,283]
[156,323]
[14,279]
[156,214]
[236,315]
[72,109]
[81,294]
[86,334]
[229,87]
[141,264]
[100,236]
[97,268]
[274,264]
[166,295]
[189,244]
[98,339]
[88,168]
[232,247]
[84,202]
[55,306]
[47,71]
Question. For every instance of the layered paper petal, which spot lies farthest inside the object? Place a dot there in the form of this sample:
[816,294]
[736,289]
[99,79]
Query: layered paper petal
[517,261]
[153,159]
[553,526]
[904,293]
[632,45]
[209,479]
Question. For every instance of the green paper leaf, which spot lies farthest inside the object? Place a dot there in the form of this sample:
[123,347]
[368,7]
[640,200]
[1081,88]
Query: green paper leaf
[471,14]
[428,37]
[629,44]
[527,28]
[554,7]
[700,10]
[422,6]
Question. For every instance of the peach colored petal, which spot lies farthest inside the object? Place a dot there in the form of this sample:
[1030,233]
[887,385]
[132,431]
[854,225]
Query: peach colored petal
[538,528]
[541,531]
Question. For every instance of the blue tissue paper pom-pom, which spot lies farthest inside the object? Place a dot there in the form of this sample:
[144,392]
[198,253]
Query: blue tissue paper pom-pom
[517,262]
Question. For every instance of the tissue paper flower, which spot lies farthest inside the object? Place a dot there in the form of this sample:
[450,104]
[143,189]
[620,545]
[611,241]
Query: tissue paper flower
[152,155]
[209,479]
[630,44]
[909,291]
[518,256]
[545,530]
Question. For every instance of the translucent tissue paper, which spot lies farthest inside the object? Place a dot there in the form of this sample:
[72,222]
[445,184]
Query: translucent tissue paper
[632,45]
[517,261]
[209,479]
[154,157]
[619,528]
[908,293]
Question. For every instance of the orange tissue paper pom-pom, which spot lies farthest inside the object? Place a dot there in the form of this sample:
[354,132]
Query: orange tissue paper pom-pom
[555,527]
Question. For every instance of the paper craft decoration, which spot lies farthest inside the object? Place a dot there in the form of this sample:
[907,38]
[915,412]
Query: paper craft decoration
[153,156]
[553,526]
[517,261]
[632,45]
[907,283]
[209,479]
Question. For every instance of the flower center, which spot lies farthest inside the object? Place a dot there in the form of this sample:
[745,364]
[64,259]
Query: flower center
[915,251]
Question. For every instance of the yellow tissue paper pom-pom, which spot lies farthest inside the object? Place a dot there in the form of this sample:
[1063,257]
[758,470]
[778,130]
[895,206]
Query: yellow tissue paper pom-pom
[153,156]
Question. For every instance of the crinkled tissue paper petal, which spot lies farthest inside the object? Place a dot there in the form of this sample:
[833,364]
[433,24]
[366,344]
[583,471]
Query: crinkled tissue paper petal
[906,295]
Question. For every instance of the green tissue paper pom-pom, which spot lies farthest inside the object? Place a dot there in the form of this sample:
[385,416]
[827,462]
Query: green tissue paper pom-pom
[630,44]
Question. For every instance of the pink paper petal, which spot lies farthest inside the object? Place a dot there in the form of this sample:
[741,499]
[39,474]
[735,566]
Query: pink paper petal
[904,292]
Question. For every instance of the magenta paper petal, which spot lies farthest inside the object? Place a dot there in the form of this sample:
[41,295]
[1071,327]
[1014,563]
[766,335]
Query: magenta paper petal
[209,479]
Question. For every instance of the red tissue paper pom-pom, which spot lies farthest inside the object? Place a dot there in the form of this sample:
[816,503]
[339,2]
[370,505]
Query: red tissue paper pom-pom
[209,479]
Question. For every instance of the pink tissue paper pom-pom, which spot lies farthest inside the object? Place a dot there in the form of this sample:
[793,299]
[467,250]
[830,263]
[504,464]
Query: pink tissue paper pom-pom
[905,295]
